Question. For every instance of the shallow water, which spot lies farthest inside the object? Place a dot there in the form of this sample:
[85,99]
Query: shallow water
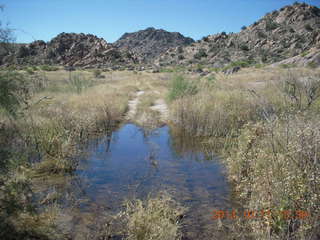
[133,163]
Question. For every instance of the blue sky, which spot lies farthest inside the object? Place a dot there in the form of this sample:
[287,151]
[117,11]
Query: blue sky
[44,19]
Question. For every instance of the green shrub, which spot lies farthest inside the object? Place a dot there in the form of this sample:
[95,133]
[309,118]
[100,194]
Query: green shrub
[13,91]
[271,25]
[29,71]
[48,68]
[308,27]
[97,73]
[181,87]
[244,47]
[200,54]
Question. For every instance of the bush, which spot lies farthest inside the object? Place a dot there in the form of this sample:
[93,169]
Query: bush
[49,68]
[13,91]
[181,87]
[97,73]
[308,27]
[271,25]
[29,71]
[274,168]
[244,47]
[200,54]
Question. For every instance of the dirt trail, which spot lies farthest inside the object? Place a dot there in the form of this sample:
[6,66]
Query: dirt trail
[133,106]
[161,107]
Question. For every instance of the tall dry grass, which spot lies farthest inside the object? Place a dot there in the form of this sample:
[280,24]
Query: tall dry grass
[266,125]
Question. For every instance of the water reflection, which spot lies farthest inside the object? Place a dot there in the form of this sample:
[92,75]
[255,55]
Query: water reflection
[132,162]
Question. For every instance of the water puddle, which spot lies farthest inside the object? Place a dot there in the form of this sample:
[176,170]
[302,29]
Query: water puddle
[132,163]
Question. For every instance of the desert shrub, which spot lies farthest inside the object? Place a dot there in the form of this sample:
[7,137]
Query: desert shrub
[305,53]
[275,167]
[156,218]
[48,68]
[287,65]
[97,73]
[302,92]
[200,54]
[29,71]
[240,63]
[308,27]
[271,25]
[180,86]
[312,65]
[244,47]
[13,91]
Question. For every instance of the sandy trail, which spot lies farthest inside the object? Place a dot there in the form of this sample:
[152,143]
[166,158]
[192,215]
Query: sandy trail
[161,107]
[133,106]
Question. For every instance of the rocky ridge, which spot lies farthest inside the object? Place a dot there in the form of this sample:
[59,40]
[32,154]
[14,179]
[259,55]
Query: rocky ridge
[149,43]
[293,30]
[71,49]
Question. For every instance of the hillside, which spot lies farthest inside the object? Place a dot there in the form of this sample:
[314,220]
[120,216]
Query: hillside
[291,31]
[150,43]
[290,35]
[71,49]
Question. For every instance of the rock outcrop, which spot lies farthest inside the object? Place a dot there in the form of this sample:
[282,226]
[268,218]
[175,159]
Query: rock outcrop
[71,49]
[290,35]
[283,34]
[149,43]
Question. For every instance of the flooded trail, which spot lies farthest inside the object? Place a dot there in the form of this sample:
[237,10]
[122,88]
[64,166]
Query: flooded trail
[133,163]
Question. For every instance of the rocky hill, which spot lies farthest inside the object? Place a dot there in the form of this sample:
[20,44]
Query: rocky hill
[290,35]
[150,43]
[71,49]
[292,31]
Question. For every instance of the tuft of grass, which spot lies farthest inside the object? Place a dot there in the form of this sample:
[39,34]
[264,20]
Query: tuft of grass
[79,83]
[156,218]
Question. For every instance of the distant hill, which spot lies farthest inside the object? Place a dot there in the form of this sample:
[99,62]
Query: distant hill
[283,34]
[150,43]
[71,49]
[290,35]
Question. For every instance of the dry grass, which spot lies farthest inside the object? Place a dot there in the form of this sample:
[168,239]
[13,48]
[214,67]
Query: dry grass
[155,219]
[62,113]
[267,121]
